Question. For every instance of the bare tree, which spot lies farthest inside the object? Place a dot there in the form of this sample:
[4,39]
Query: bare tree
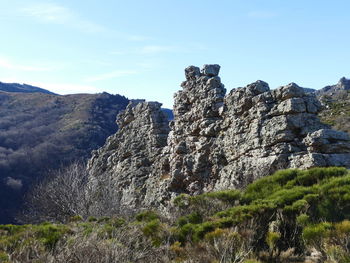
[105,199]
[58,197]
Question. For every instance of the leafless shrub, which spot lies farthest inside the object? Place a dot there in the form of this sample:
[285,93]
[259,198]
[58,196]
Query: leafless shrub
[127,244]
[60,196]
[105,199]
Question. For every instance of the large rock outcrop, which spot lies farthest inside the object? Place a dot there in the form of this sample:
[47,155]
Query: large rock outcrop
[127,159]
[216,141]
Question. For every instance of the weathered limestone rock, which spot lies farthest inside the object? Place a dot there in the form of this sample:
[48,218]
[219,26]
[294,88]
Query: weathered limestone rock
[215,141]
[127,158]
[197,122]
[266,130]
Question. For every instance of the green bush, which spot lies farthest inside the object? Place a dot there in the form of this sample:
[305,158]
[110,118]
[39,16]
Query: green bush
[313,234]
[50,234]
[3,257]
[153,230]
[147,216]
[303,219]
[92,219]
[202,229]
[76,218]
[103,219]
[272,238]
[194,218]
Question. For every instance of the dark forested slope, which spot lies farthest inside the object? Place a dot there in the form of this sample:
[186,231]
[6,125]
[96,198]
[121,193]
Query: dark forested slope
[42,131]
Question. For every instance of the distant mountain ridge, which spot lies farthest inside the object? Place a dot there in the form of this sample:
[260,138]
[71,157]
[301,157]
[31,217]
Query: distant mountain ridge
[25,88]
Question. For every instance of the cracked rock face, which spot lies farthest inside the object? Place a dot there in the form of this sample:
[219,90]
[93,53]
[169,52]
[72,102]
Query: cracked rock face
[197,122]
[216,141]
[127,159]
[266,130]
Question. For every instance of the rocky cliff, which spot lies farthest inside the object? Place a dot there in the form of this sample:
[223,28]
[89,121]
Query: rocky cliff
[215,141]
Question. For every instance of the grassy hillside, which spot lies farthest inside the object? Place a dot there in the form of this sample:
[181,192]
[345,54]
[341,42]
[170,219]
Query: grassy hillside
[291,216]
[41,132]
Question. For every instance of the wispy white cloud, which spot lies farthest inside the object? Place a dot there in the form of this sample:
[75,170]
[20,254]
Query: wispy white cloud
[111,75]
[138,38]
[54,13]
[8,64]
[260,14]
[58,14]
[152,49]
[149,50]
[118,52]
[48,12]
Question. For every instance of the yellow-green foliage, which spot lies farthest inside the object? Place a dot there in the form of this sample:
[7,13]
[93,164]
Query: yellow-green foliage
[13,237]
[302,197]
[76,218]
[147,216]
[103,219]
[330,238]
[272,238]
[92,219]
[193,218]
[50,234]
[3,257]
[342,228]
[302,219]
[153,230]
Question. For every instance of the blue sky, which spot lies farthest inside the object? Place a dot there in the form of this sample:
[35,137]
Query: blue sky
[140,48]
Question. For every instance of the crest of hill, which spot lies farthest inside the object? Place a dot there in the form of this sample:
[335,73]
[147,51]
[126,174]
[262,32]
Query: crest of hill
[24,88]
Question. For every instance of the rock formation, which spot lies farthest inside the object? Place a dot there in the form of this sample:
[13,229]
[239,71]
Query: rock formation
[127,158]
[343,84]
[215,141]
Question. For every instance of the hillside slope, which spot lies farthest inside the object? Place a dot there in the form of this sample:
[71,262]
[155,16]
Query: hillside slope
[41,132]
[25,88]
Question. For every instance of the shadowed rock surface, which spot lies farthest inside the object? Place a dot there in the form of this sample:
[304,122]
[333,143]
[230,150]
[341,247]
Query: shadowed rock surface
[216,141]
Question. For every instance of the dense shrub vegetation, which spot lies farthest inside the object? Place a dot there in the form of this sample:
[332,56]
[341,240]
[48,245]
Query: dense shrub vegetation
[290,216]
[41,132]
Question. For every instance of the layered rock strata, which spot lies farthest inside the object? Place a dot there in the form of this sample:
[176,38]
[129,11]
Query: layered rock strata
[216,141]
